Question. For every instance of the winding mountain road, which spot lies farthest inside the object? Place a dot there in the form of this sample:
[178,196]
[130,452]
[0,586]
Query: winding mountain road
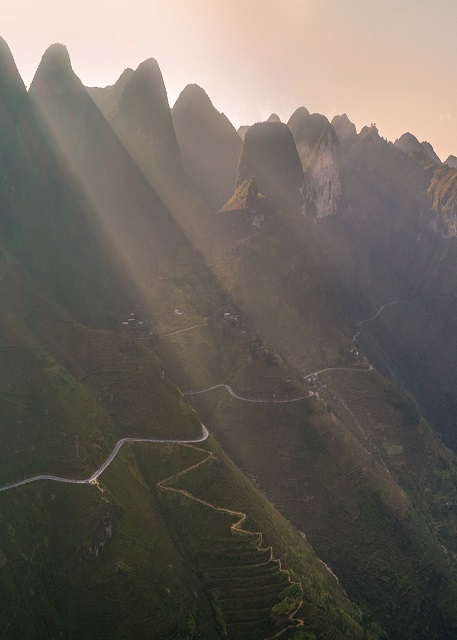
[237,397]
[390,304]
[93,478]
[272,401]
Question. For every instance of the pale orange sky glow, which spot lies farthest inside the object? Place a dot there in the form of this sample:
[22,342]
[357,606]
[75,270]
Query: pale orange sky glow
[391,62]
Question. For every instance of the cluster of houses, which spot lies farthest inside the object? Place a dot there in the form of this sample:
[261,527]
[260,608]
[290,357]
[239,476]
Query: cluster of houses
[349,354]
[314,381]
[134,324]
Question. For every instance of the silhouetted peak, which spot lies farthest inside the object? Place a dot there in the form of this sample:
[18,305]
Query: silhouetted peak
[269,154]
[55,74]
[268,133]
[309,129]
[298,114]
[274,118]
[408,143]
[125,75]
[369,132]
[119,86]
[149,68]
[57,58]
[9,75]
[193,97]
[342,118]
[430,151]
[345,129]
[149,76]
[145,91]
[142,119]
[451,162]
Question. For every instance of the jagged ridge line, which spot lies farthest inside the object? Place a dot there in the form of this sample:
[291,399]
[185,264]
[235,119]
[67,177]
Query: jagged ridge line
[234,527]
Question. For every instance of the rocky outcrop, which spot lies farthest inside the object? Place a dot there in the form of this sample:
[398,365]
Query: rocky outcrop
[270,156]
[246,199]
[318,148]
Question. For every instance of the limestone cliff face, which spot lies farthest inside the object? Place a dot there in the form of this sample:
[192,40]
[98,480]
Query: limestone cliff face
[318,148]
[322,180]
[443,197]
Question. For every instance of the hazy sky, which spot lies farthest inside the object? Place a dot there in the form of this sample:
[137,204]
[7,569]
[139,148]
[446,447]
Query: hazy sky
[392,62]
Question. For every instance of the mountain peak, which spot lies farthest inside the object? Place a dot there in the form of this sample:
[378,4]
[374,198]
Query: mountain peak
[270,156]
[55,74]
[451,162]
[430,151]
[148,77]
[299,113]
[345,129]
[145,89]
[307,130]
[370,133]
[210,147]
[410,144]
[9,74]
[142,120]
[274,118]
[57,57]
[193,96]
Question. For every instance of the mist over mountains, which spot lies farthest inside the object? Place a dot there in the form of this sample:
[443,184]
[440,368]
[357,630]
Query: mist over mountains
[291,287]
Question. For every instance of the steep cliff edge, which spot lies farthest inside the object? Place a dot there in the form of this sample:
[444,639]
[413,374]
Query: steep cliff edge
[318,148]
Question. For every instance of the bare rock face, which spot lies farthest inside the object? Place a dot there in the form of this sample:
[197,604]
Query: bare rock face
[318,148]
[323,182]
[443,197]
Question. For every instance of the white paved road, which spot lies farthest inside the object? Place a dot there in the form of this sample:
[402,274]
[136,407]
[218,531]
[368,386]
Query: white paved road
[92,479]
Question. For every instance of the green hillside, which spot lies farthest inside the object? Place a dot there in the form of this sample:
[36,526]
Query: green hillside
[253,317]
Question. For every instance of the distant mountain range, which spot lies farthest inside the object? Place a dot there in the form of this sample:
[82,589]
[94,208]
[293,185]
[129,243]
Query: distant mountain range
[293,287]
